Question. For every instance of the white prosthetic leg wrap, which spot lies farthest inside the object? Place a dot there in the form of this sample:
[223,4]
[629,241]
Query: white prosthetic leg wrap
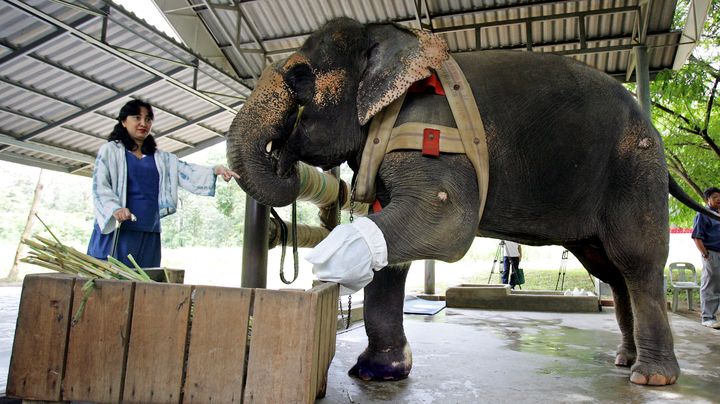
[349,255]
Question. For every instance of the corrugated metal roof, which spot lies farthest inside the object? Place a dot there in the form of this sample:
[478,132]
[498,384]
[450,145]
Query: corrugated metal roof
[601,33]
[67,68]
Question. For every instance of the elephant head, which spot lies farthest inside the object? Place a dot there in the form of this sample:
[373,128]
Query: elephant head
[313,106]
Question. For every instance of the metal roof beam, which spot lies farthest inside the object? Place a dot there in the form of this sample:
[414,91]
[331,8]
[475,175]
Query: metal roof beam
[164,59]
[74,73]
[172,49]
[199,146]
[80,8]
[586,50]
[439,16]
[250,26]
[563,16]
[582,47]
[22,114]
[692,31]
[47,149]
[96,106]
[65,69]
[109,49]
[194,121]
[232,43]
[40,93]
[418,15]
[34,162]
[42,41]
[84,132]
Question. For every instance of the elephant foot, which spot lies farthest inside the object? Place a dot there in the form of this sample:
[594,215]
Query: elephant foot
[655,374]
[387,364]
[625,357]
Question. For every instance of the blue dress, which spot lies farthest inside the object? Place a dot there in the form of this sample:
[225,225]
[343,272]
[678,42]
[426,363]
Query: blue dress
[141,238]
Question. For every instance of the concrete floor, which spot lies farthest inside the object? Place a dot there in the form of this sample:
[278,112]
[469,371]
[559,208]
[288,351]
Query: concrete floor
[473,356]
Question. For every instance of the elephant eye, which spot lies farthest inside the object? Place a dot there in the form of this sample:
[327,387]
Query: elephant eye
[301,80]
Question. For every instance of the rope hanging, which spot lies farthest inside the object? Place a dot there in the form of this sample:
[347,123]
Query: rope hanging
[284,240]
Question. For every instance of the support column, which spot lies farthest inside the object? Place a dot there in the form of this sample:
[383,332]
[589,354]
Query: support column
[642,78]
[429,277]
[255,245]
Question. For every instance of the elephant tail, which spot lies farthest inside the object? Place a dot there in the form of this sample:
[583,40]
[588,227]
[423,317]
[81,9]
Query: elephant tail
[686,200]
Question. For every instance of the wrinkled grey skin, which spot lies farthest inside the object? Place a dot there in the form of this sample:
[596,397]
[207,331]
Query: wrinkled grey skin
[573,162]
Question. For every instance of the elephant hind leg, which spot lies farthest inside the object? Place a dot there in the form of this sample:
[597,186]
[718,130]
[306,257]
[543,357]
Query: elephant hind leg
[593,257]
[640,257]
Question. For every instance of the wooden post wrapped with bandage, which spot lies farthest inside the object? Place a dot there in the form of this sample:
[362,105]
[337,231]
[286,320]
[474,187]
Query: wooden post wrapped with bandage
[308,236]
[323,190]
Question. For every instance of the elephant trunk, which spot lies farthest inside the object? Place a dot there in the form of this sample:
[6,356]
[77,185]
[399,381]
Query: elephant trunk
[267,173]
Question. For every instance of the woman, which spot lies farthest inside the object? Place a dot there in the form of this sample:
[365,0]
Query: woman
[135,184]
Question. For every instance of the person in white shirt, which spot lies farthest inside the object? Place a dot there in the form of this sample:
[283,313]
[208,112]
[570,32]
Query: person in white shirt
[511,260]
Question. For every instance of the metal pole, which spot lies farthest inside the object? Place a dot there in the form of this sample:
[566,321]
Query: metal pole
[429,277]
[255,245]
[642,78]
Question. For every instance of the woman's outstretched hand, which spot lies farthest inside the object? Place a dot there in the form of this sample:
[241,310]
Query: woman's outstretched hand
[226,173]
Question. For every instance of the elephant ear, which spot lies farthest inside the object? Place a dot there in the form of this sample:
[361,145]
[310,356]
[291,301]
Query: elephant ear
[397,58]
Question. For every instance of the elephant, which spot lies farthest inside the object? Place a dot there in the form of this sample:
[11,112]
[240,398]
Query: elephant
[573,161]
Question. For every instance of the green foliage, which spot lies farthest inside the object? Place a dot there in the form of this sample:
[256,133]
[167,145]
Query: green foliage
[65,204]
[686,114]
[544,279]
[15,199]
[207,222]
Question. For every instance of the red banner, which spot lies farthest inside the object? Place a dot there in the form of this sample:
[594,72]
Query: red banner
[676,230]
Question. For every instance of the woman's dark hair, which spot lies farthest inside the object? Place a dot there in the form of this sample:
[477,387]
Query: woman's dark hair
[120,134]
[708,192]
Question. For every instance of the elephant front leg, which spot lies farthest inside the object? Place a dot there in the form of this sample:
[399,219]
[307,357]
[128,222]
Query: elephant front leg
[388,355]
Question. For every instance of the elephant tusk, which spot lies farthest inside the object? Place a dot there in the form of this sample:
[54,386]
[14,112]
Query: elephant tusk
[268,147]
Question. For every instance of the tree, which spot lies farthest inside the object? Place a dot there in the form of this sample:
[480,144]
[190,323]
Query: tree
[14,274]
[685,111]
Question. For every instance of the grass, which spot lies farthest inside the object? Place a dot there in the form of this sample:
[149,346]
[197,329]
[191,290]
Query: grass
[535,279]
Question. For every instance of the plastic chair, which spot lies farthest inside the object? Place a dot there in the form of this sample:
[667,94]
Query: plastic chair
[683,277]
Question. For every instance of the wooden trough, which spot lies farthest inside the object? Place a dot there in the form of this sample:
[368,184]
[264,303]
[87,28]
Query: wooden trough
[164,343]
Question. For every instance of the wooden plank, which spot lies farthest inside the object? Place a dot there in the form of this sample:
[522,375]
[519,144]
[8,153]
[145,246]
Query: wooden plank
[331,329]
[166,275]
[157,343]
[98,342]
[329,300]
[218,344]
[322,344]
[334,315]
[38,354]
[280,367]
[316,322]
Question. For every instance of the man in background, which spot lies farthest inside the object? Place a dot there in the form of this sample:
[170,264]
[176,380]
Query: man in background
[706,234]
[511,261]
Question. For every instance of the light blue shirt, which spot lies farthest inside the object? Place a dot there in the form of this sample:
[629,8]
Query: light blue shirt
[110,182]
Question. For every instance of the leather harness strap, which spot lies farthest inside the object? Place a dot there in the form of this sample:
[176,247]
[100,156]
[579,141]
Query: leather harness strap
[467,118]
[375,148]
[409,136]
[469,137]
